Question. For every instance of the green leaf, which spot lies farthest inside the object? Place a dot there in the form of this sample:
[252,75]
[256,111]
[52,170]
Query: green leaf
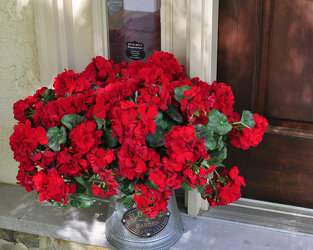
[127,201]
[81,181]
[201,190]
[220,142]
[174,113]
[185,186]
[57,204]
[81,200]
[217,157]
[205,134]
[196,114]
[95,87]
[155,140]
[63,135]
[218,122]
[247,119]
[160,122]
[179,92]
[211,175]
[135,96]
[162,125]
[109,139]
[100,122]
[126,190]
[70,121]
[126,185]
[80,188]
[56,137]
[150,184]
[131,203]
[48,96]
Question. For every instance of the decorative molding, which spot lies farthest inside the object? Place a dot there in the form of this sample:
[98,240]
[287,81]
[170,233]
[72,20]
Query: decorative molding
[167,25]
[173,28]
[100,28]
[209,40]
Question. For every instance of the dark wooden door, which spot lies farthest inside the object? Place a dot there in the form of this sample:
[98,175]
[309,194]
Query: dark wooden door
[265,52]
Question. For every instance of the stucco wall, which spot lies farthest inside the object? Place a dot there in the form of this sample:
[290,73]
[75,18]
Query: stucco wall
[19,73]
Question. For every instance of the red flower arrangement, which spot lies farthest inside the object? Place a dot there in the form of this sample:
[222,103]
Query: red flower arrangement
[143,128]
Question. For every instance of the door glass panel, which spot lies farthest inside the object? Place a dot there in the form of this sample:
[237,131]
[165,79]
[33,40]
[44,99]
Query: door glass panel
[134,29]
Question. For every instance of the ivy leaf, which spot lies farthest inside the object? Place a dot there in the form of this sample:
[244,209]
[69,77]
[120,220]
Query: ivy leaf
[81,200]
[205,134]
[185,186]
[70,121]
[174,113]
[179,92]
[100,122]
[247,119]
[56,137]
[218,122]
[48,96]
[110,140]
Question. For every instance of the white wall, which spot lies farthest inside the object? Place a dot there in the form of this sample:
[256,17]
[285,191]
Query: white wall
[38,39]
[19,73]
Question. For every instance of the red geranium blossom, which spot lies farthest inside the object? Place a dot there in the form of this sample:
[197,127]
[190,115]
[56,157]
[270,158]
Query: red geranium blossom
[85,137]
[249,137]
[224,188]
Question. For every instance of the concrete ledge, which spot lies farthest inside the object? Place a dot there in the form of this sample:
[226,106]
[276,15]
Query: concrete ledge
[246,225]
[265,214]
[21,211]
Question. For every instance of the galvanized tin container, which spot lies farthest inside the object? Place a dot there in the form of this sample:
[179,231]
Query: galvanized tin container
[120,238]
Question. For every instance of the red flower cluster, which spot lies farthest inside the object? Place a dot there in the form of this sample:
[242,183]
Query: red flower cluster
[247,137]
[143,127]
[85,137]
[224,188]
[183,145]
[151,201]
[51,186]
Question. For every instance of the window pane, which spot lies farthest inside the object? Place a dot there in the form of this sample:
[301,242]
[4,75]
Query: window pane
[134,29]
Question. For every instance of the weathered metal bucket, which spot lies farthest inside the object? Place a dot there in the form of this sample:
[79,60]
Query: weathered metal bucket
[120,237]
